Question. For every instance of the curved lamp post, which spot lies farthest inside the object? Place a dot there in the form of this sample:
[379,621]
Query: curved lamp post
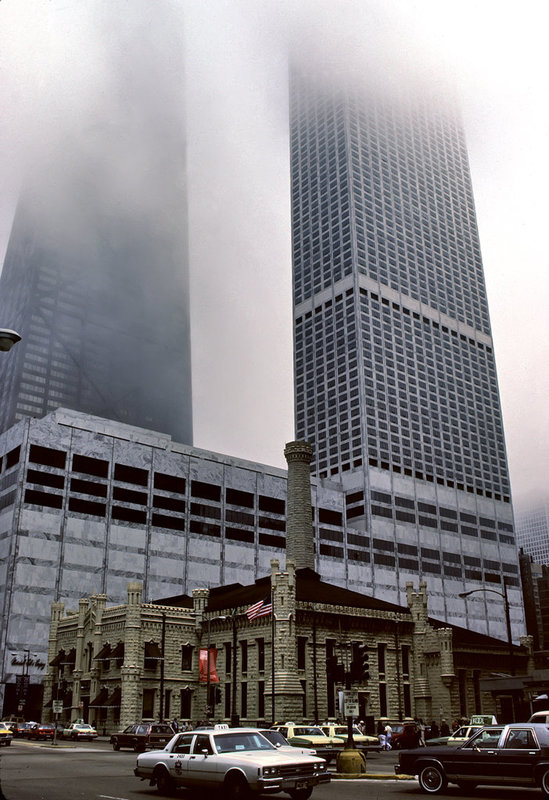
[7,339]
[503,595]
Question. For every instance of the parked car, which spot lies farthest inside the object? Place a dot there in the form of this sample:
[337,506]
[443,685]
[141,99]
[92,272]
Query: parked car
[78,731]
[457,737]
[6,735]
[311,736]
[509,755]
[142,735]
[21,729]
[408,732]
[43,731]
[340,732]
[236,760]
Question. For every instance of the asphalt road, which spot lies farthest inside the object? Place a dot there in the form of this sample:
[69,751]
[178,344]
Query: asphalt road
[93,771]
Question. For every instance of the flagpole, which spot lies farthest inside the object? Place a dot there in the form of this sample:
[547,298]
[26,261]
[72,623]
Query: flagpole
[272,657]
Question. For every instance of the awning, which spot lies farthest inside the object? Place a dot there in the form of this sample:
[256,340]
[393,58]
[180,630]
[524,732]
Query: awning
[152,650]
[118,651]
[100,700]
[115,698]
[104,653]
[59,658]
[70,658]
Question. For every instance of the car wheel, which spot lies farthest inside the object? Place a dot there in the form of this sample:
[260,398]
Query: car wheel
[432,779]
[115,745]
[301,794]
[164,782]
[545,782]
[236,787]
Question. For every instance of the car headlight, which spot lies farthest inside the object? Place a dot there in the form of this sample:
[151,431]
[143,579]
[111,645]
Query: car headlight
[272,771]
[321,765]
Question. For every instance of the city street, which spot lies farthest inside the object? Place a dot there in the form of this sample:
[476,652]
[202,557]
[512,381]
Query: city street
[93,771]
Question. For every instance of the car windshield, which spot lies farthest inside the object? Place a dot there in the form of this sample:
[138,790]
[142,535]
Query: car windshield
[236,742]
[308,731]
[274,737]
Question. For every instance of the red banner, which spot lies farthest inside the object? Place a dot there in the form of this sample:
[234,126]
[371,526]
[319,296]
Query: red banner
[203,665]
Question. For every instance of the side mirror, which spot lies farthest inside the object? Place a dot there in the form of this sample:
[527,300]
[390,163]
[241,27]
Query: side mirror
[205,752]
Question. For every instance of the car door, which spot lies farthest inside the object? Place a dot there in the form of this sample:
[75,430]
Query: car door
[178,759]
[125,739]
[201,769]
[476,760]
[517,756]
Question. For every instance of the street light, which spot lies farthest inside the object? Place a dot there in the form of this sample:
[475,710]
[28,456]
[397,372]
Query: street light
[7,339]
[507,616]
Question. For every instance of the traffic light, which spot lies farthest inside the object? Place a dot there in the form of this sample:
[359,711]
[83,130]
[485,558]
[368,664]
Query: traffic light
[334,670]
[360,665]
[364,660]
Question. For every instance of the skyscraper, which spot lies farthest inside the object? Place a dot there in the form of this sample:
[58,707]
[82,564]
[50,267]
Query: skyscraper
[532,523]
[100,297]
[396,382]
[96,272]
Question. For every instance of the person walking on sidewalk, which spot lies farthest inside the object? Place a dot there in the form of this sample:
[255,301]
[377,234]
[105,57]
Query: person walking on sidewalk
[388,731]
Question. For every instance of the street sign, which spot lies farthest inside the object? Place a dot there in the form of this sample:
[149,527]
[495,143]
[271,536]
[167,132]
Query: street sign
[57,706]
[350,698]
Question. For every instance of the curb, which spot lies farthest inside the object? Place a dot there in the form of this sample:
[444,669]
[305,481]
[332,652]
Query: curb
[376,776]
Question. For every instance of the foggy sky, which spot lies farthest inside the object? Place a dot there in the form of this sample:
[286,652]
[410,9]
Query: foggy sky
[61,64]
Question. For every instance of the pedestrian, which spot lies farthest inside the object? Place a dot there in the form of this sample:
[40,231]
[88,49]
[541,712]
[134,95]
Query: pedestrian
[444,728]
[434,732]
[175,725]
[388,731]
[362,726]
[421,730]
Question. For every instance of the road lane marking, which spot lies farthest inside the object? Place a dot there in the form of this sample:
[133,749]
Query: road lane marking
[109,797]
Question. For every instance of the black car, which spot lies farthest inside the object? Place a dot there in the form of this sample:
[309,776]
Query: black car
[142,735]
[510,755]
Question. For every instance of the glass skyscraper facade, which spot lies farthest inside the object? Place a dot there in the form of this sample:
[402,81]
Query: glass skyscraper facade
[533,531]
[396,383]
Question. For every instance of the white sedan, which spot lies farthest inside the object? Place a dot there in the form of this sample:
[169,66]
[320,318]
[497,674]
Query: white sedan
[238,761]
[78,731]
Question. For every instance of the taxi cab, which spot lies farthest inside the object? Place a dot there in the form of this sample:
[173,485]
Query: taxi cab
[6,735]
[311,736]
[237,761]
[340,732]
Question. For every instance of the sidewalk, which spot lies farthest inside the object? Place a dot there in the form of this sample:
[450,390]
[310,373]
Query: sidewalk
[380,765]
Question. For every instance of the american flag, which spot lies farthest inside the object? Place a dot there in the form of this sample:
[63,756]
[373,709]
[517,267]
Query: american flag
[261,609]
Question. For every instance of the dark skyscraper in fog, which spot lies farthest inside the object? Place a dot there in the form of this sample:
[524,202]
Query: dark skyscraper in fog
[99,293]
[96,272]
[396,382]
